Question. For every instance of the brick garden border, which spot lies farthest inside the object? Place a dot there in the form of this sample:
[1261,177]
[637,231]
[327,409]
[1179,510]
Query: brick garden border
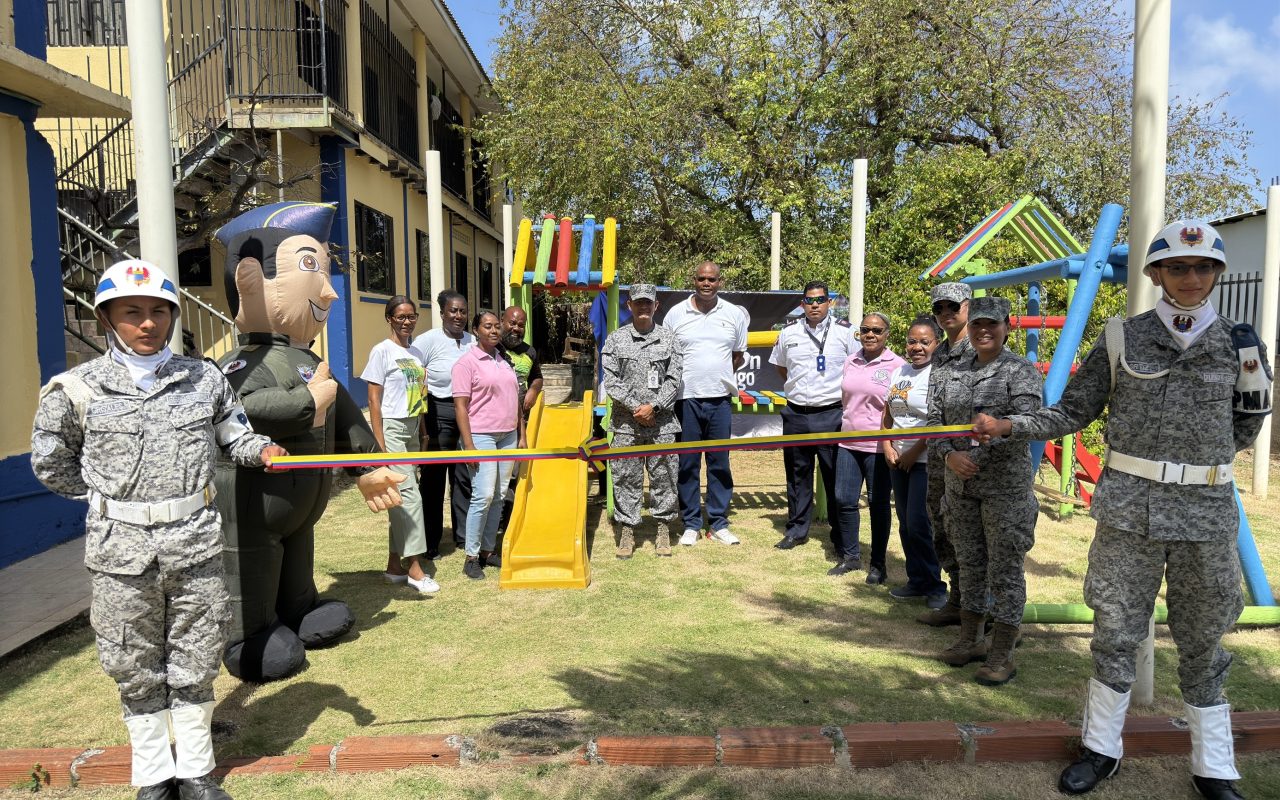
[875,744]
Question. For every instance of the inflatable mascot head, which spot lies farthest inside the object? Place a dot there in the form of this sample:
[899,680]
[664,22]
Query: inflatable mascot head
[277,269]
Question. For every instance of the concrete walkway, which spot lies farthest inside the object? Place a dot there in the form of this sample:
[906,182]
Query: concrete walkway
[41,593]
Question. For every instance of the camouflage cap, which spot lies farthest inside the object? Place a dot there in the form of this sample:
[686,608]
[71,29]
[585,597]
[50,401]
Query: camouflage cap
[996,308]
[642,291]
[955,292]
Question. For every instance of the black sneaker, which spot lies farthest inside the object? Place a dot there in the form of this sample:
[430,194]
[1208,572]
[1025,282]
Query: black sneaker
[165,790]
[491,560]
[905,593]
[472,569]
[788,543]
[846,565]
[1215,788]
[434,555]
[202,788]
[875,575]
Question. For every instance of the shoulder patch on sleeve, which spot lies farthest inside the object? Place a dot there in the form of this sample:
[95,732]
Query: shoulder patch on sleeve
[792,322]
[306,372]
[844,323]
[44,443]
[1023,404]
[234,366]
[249,348]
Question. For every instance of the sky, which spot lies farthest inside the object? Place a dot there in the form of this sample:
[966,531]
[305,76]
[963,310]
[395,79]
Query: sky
[1216,46]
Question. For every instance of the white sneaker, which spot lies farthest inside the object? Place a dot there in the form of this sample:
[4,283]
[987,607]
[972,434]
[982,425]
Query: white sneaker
[723,536]
[689,539]
[425,586]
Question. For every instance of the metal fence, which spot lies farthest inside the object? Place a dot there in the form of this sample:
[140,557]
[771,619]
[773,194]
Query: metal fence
[447,137]
[287,53]
[85,23]
[390,86]
[1238,297]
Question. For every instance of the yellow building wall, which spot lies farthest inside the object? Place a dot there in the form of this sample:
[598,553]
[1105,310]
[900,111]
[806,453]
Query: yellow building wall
[20,389]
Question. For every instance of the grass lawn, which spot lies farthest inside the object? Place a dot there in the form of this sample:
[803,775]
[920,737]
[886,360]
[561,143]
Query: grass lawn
[714,637]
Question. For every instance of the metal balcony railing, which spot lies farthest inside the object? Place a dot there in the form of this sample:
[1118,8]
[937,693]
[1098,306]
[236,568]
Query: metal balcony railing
[390,86]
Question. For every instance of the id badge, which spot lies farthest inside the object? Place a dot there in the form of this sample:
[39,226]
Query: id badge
[654,380]
[822,363]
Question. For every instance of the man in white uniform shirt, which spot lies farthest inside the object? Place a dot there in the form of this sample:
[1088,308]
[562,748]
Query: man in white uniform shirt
[810,355]
[712,333]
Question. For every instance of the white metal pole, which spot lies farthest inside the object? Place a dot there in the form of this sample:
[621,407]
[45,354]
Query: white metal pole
[857,241]
[1267,329]
[435,234]
[1146,205]
[1150,144]
[152,140]
[775,254]
[508,249]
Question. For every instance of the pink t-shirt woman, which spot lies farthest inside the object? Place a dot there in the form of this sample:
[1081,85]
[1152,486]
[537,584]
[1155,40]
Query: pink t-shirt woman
[864,391]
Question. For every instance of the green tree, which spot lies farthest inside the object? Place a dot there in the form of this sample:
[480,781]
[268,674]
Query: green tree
[692,122]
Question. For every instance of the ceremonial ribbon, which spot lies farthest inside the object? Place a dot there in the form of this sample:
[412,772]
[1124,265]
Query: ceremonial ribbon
[597,451]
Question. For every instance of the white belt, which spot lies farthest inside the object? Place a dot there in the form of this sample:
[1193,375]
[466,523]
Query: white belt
[1169,472]
[152,513]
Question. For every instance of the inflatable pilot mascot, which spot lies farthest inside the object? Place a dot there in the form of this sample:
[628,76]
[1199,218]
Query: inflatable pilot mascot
[1186,390]
[136,433]
[277,281]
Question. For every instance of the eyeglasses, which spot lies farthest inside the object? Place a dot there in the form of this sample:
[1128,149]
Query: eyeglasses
[403,319]
[870,330]
[921,342]
[1181,270]
[945,305]
[814,301]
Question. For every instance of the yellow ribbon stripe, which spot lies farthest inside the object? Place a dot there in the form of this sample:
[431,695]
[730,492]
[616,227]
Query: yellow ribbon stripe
[592,450]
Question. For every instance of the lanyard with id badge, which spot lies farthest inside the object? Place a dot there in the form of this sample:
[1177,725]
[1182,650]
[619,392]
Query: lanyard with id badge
[655,379]
[821,363]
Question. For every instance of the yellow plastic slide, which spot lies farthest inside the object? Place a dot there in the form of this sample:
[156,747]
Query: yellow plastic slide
[545,545]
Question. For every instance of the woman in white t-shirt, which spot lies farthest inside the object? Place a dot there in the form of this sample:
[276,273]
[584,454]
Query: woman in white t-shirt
[907,406]
[397,401]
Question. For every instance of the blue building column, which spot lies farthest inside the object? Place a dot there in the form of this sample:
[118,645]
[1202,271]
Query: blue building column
[333,189]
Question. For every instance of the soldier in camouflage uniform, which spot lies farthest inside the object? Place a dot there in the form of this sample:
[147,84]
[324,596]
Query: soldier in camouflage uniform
[990,505]
[642,367]
[135,433]
[950,309]
[1186,390]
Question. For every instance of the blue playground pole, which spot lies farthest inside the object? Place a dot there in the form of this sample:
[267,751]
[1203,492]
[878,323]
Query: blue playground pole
[587,251]
[1033,351]
[1095,261]
[1255,577]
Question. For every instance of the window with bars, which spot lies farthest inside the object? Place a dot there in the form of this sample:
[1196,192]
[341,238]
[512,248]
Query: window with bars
[375,256]
[460,282]
[485,269]
[424,267]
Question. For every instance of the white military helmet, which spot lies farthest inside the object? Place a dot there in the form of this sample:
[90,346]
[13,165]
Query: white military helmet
[134,278]
[1188,237]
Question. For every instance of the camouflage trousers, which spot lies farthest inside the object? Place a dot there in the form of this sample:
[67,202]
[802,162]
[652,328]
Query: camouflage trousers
[992,536]
[1204,598]
[628,480]
[161,634]
[943,547]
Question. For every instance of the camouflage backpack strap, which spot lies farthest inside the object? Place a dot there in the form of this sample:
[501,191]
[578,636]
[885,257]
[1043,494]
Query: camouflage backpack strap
[76,390]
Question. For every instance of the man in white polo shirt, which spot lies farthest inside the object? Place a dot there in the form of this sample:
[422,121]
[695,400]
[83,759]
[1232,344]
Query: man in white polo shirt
[713,341]
[810,356]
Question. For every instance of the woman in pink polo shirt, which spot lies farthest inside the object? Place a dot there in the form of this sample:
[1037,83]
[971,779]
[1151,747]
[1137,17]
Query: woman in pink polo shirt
[486,395]
[864,391]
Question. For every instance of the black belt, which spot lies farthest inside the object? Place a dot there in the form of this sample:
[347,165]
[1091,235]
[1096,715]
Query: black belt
[799,409]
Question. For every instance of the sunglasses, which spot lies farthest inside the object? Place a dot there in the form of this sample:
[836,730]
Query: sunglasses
[1181,270]
[945,305]
[870,330]
[814,301]
[403,319]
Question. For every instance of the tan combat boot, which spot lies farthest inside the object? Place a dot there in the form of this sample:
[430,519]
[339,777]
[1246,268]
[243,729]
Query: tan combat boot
[972,645]
[948,614]
[626,542]
[663,541]
[999,668]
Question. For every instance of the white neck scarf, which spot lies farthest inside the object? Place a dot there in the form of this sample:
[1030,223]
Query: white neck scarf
[143,369]
[1186,326]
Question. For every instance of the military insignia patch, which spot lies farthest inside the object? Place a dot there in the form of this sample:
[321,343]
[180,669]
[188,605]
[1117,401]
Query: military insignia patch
[139,275]
[1023,404]
[234,366]
[44,443]
[1250,366]
[1192,237]
[306,372]
[1183,323]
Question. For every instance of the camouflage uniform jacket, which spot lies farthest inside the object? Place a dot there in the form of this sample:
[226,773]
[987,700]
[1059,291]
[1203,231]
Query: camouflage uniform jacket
[629,357]
[1184,417]
[943,357]
[144,447]
[1007,384]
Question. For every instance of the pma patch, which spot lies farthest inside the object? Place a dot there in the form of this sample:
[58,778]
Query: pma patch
[1250,366]
[1182,323]
[1192,237]
[234,366]
[306,372]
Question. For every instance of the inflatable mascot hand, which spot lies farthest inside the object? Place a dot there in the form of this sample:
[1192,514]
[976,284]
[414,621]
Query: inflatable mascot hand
[277,282]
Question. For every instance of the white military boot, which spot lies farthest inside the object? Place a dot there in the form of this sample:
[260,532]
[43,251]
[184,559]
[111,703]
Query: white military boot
[1104,710]
[193,735]
[1213,752]
[153,767]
